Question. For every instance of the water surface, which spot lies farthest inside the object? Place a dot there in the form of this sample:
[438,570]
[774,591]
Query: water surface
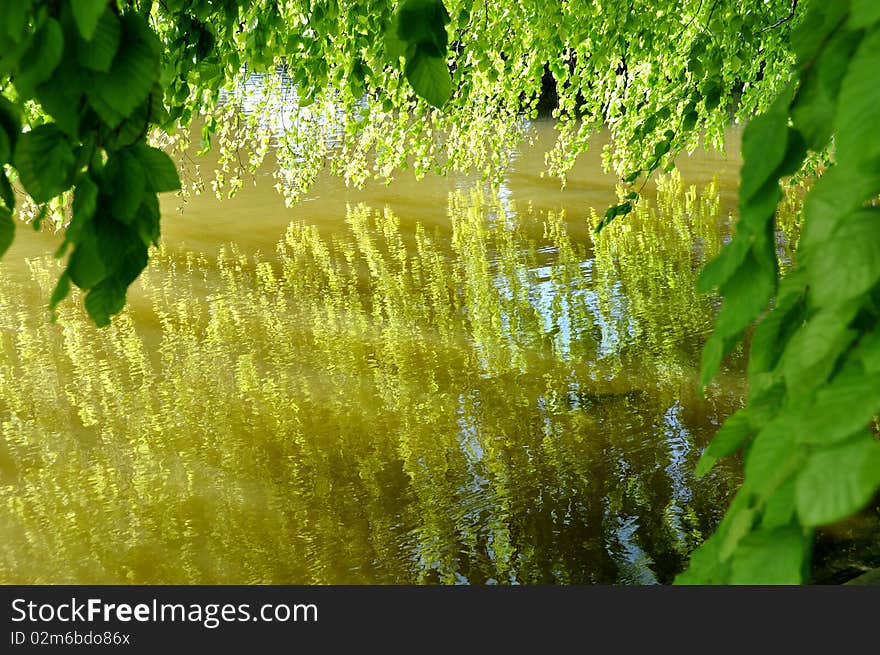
[432,382]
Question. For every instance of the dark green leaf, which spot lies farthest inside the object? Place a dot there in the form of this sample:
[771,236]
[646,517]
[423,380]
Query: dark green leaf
[86,267]
[13,17]
[41,58]
[10,120]
[869,352]
[423,21]
[62,289]
[146,221]
[6,193]
[104,300]
[85,202]
[86,14]
[125,183]
[7,230]
[160,171]
[429,77]
[395,47]
[117,93]
[45,162]
[5,147]
[98,53]
[863,13]
[838,481]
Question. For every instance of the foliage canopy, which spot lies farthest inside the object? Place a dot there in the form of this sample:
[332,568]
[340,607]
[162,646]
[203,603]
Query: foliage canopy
[442,86]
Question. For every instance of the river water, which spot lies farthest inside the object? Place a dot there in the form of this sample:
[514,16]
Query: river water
[426,382]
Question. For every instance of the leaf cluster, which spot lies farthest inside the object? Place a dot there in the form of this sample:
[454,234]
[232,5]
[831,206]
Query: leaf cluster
[814,365]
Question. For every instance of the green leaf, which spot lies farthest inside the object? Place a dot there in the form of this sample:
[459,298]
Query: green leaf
[45,162]
[839,481]
[86,267]
[764,144]
[739,525]
[7,195]
[99,52]
[395,47]
[812,33]
[858,138]
[429,77]
[841,190]
[13,17]
[732,435]
[813,350]
[85,202]
[772,334]
[421,21]
[849,264]
[814,111]
[125,183]
[863,13]
[160,171]
[86,14]
[843,407]
[146,221]
[62,94]
[41,58]
[117,93]
[770,557]
[7,230]
[62,289]
[5,147]
[722,268]
[771,458]
[104,300]
[745,296]
[10,120]
[869,352]
[780,506]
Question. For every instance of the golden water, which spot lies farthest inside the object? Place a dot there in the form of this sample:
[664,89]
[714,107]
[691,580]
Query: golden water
[427,382]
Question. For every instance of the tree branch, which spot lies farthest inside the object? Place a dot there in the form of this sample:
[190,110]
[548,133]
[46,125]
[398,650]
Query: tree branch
[784,19]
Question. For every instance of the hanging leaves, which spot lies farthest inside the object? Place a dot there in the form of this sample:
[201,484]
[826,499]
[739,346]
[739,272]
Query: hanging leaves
[417,33]
[813,366]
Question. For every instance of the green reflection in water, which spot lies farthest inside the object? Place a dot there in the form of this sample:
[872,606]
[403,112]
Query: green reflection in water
[504,404]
